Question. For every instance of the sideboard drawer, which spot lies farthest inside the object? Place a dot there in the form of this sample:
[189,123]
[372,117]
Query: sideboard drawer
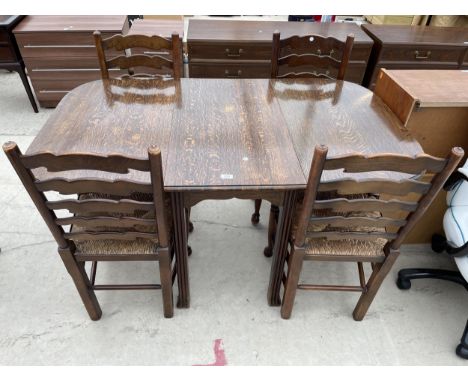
[230,51]
[229,70]
[53,44]
[422,53]
[4,37]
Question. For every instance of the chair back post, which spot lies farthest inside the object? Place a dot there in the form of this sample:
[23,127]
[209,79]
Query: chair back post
[275,54]
[27,178]
[453,159]
[318,163]
[177,56]
[346,56]
[157,183]
[101,55]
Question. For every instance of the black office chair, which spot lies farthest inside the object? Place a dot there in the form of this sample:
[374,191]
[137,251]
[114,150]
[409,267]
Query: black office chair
[455,244]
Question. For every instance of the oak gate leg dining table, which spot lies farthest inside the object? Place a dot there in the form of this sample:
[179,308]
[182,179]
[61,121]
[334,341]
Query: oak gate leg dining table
[222,138]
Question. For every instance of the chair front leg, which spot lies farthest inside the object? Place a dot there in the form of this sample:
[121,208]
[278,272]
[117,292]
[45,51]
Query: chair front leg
[82,283]
[292,279]
[165,272]
[375,281]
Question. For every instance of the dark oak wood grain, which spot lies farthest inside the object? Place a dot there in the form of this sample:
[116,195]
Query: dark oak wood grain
[222,139]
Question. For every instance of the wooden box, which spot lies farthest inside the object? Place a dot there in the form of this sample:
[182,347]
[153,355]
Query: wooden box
[433,106]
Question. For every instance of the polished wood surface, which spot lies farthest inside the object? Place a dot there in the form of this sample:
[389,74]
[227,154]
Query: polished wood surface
[228,131]
[219,48]
[344,116]
[415,47]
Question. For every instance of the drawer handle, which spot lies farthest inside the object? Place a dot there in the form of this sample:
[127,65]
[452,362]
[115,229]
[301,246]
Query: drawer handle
[238,54]
[418,57]
[227,75]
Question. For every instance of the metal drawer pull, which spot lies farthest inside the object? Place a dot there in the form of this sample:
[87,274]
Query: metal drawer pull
[227,75]
[238,54]
[418,57]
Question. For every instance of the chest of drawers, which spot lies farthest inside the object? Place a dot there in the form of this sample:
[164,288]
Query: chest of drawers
[242,49]
[415,47]
[59,51]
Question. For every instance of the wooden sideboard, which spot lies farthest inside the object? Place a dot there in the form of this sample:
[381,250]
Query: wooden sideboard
[433,106]
[415,47]
[242,49]
[59,51]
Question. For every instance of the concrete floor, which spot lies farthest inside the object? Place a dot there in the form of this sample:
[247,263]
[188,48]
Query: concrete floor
[43,322]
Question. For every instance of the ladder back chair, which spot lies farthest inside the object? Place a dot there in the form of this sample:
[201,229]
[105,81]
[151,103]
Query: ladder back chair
[108,220]
[345,220]
[310,56]
[304,57]
[166,62]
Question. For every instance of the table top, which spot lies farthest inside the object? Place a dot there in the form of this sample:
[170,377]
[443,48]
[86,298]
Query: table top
[222,133]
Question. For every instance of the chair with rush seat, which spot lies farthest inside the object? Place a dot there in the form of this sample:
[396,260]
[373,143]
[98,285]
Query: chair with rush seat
[307,56]
[166,62]
[109,220]
[344,220]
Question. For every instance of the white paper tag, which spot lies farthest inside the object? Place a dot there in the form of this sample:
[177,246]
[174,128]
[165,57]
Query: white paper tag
[227,176]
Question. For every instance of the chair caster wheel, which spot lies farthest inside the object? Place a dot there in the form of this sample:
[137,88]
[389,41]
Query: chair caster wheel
[438,243]
[255,218]
[190,227]
[403,284]
[462,351]
[189,250]
[267,252]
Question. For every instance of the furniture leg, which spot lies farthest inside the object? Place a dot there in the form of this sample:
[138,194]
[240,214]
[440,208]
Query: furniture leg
[375,281]
[256,215]
[82,283]
[296,260]
[181,249]
[272,224]
[462,348]
[166,282]
[280,248]
[26,85]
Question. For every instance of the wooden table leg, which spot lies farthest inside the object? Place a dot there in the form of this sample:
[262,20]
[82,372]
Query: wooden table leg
[181,250]
[281,247]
